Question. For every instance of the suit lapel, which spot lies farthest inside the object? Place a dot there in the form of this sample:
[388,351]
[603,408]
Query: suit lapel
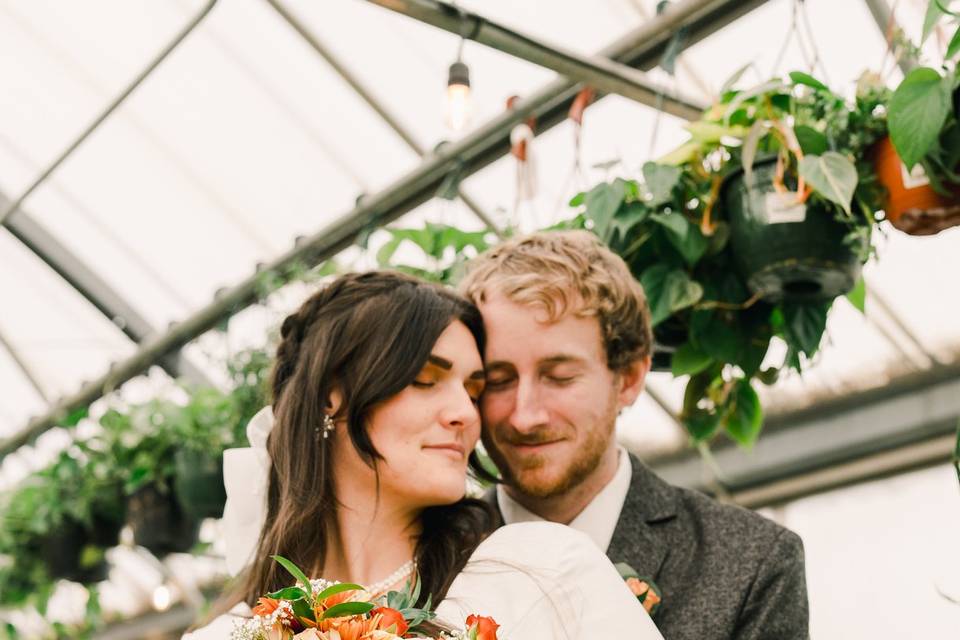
[636,539]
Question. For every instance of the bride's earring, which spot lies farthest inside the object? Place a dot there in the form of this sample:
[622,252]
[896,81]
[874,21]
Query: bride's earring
[328,425]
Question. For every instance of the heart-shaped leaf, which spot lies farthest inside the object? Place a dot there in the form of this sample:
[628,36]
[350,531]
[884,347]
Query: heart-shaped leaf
[832,175]
[744,417]
[602,203]
[660,180]
[916,113]
[668,290]
[688,360]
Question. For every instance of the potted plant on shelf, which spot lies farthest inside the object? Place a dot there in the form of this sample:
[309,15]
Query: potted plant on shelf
[919,163]
[746,232]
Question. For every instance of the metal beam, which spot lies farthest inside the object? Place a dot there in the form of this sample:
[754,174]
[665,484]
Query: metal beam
[908,423]
[887,23]
[95,290]
[599,72]
[100,119]
[367,96]
[642,47]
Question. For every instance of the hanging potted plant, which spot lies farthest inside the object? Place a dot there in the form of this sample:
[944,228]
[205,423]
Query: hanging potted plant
[919,162]
[145,442]
[715,310]
[207,426]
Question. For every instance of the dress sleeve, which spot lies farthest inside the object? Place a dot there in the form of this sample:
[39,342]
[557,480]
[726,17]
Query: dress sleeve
[221,626]
[545,581]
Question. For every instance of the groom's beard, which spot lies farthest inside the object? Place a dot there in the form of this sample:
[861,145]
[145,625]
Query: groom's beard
[548,475]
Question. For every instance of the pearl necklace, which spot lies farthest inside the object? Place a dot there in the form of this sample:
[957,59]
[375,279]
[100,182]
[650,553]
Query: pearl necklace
[402,572]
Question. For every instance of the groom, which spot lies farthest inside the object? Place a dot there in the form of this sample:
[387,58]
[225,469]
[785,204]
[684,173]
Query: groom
[568,347]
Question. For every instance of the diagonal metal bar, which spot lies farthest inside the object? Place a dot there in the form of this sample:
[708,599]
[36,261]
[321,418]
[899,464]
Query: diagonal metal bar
[96,291]
[887,23]
[599,72]
[100,119]
[367,96]
[24,367]
[643,48]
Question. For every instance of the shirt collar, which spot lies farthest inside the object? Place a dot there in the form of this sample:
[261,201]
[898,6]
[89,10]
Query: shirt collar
[598,519]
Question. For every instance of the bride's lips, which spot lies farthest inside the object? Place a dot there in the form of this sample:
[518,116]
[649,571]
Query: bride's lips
[453,449]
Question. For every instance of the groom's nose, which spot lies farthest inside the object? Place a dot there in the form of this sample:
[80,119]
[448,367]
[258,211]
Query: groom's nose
[529,412]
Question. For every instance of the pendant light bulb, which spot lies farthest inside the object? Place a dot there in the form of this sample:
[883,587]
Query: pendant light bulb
[458,96]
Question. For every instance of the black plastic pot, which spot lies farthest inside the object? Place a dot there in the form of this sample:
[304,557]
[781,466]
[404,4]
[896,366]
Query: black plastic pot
[786,251]
[667,337]
[108,518]
[199,484]
[63,553]
[158,522]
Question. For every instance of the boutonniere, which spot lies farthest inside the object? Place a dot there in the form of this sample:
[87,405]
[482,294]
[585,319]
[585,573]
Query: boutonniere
[646,590]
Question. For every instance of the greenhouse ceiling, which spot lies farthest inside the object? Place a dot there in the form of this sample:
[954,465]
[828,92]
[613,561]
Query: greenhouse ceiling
[264,133]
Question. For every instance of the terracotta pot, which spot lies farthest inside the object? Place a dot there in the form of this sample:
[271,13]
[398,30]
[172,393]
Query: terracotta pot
[912,205]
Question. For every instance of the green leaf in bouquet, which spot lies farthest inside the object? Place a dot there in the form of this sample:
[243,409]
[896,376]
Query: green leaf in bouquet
[688,360]
[337,588]
[668,290]
[290,593]
[744,416]
[303,609]
[602,203]
[348,609]
[916,113]
[660,179]
[832,175]
[295,571]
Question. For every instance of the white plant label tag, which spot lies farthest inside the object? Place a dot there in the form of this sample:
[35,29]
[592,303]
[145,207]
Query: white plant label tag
[913,179]
[784,207]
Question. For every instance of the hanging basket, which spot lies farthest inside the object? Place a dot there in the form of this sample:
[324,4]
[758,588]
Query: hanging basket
[108,519]
[68,554]
[667,337]
[912,204]
[158,523]
[199,483]
[785,250]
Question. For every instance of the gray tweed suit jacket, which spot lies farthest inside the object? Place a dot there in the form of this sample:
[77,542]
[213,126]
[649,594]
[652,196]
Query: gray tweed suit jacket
[725,573]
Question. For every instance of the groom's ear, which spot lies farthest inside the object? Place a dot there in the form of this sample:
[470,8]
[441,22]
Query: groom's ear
[630,381]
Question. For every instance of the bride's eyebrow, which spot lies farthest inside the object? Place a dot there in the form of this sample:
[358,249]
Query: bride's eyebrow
[446,365]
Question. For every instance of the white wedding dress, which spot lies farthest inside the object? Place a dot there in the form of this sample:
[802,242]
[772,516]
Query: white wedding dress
[538,580]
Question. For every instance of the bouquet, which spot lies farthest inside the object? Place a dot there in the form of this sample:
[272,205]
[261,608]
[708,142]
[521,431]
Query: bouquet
[323,610]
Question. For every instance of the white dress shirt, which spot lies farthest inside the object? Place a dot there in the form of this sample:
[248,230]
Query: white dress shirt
[598,519]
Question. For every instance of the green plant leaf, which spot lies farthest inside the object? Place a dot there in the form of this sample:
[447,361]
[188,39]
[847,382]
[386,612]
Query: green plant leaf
[832,175]
[348,609]
[812,142]
[685,237]
[804,325]
[660,179]
[74,418]
[668,290]
[799,77]
[295,571]
[602,203]
[711,132]
[702,425]
[930,19]
[744,416]
[689,360]
[578,199]
[858,295]
[916,114]
[682,154]
[734,78]
[954,47]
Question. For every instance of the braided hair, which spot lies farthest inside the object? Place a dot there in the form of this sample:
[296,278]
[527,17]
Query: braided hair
[369,334]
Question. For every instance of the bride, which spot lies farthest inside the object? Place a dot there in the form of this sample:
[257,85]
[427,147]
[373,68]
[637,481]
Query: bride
[375,393]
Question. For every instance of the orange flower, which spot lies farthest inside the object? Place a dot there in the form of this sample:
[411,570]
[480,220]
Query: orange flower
[356,628]
[651,601]
[637,587]
[390,618]
[265,606]
[486,627]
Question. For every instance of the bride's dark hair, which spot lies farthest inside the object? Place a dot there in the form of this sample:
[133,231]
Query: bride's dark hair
[368,335]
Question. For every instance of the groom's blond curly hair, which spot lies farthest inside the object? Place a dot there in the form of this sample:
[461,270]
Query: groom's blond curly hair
[565,272]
